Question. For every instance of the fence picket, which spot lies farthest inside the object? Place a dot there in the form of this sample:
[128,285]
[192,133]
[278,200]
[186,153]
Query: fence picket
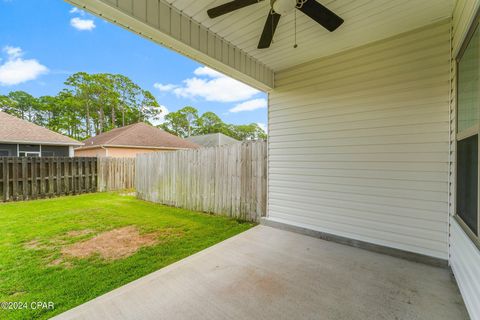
[33,176]
[6,179]
[115,173]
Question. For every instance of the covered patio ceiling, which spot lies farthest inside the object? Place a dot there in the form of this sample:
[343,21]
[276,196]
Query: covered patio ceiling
[229,43]
[366,21]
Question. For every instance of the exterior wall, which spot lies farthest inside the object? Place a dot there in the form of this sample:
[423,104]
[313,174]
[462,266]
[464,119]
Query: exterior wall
[96,152]
[130,152]
[359,143]
[464,255]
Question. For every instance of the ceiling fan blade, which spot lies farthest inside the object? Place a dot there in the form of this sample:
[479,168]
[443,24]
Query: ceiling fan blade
[321,14]
[269,30]
[229,7]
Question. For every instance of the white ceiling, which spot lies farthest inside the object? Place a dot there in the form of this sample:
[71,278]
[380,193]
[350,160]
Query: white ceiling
[365,21]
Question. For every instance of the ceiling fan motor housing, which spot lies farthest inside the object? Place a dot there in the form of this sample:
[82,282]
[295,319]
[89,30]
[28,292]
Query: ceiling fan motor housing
[283,7]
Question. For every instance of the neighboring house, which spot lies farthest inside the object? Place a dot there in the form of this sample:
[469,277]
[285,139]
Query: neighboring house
[212,140]
[22,138]
[131,140]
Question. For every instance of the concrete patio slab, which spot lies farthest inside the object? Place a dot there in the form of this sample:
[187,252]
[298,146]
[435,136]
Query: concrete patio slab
[267,273]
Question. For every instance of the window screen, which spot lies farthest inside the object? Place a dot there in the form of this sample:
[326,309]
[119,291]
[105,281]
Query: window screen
[467,181]
[468,84]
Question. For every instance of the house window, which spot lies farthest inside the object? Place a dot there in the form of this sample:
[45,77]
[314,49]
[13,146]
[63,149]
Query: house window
[467,182]
[4,153]
[468,125]
[26,150]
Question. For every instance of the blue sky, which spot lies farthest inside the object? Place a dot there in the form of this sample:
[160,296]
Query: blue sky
[42,42]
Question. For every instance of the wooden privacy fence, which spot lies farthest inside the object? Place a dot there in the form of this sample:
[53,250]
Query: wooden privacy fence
[24,178]
[116,173]
[227,180]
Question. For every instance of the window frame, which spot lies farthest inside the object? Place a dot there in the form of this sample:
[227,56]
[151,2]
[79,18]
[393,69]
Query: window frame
[468,132]
[30,154]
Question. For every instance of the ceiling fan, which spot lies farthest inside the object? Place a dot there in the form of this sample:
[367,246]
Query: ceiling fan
[311,8]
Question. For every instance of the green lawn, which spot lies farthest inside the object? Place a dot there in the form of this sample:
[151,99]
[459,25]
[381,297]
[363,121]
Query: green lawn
[34,235]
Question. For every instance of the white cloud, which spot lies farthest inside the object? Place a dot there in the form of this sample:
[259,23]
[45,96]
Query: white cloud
[250,105]
[263,126]
[161,119]
[82,24]
[211,86]
[206,71]
[164,87]
[13,52]
[17,70]
[75,10]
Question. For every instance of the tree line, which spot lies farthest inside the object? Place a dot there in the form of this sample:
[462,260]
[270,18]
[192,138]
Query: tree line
[94,103]
[89,105]
[188,122]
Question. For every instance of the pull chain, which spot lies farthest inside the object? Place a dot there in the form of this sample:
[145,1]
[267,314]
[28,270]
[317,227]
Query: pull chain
[271,12]
[295,29]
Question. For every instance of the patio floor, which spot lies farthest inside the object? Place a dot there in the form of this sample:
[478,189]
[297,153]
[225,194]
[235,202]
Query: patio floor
[267,273]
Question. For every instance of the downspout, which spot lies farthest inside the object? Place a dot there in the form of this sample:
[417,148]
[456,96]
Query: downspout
[106,150]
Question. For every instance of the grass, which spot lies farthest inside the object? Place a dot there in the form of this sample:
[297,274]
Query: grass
[27,275]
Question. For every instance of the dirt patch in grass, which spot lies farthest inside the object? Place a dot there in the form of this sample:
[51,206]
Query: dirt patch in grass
[111,245]
[78,233]
[34,245]
[60,262]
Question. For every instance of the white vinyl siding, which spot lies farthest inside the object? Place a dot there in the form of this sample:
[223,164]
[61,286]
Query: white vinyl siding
[464,255]
[465,263]
[359,143]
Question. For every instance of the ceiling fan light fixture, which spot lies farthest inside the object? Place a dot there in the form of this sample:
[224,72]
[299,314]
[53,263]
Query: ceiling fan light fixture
[283,7]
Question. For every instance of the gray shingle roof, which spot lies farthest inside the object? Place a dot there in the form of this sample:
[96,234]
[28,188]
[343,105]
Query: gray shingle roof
[139,135]
[212,140]
[16,130]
